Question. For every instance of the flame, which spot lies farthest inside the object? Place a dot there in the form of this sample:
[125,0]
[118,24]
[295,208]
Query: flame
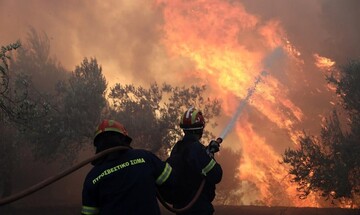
[327,66]
[261,159]
[323,62]
[227,46]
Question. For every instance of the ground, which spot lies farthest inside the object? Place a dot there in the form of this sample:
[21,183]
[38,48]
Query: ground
[220,210]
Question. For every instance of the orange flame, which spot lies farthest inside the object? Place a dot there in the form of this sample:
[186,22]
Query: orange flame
[227,46]
[326,65]
[323,62]
[261,164]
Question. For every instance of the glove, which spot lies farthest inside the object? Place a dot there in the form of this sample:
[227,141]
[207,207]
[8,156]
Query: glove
[212,148]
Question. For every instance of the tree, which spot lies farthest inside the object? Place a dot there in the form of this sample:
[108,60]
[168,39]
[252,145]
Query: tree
[6,100]
[7,144]
[152,115]
[34,61]
[33,77]
[75,110]
[57,110]
[330,164]
[55,119]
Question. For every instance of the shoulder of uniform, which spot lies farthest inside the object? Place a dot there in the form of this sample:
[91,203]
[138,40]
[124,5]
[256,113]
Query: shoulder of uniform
[197,145]
[143,152]
[93,172]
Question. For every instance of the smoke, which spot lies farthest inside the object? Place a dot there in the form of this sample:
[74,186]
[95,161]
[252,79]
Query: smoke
[122,35]
[328,27]
[131,43]
[273,58]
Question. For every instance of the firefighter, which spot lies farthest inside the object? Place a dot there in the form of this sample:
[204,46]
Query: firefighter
[123,182]
[192,162]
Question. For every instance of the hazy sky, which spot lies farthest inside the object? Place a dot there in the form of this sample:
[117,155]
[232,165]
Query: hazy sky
[221,43]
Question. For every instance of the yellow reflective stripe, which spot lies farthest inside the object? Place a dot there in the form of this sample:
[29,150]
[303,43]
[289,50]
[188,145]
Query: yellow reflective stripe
[193,117]
[208,167]
[164,175]
[97,132]
[89,210]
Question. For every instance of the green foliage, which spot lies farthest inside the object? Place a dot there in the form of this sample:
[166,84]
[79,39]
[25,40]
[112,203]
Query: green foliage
[45,108]
[29,80]
[308,167]
[152,115]
[330,164]
[75,111]
[348,88]
[7,131]
[5,100]
[84,98]
[4,67]
[30,97]
[34,61]
[54,111]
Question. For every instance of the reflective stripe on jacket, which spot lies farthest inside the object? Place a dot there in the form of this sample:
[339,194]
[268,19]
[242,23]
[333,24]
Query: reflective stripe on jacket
[125,183]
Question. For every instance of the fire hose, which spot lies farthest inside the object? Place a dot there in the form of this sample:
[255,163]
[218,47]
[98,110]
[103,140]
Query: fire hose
[53,179]
[50,180]
[66,172]
[57,177]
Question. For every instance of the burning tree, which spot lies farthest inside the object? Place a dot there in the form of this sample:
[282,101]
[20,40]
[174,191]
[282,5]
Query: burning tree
[330,164]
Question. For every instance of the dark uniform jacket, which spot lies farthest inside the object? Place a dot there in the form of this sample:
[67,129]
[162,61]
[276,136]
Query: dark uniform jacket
[191,164]
[125,183]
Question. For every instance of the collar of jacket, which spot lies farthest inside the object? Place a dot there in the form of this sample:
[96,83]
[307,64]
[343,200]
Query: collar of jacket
[191,138]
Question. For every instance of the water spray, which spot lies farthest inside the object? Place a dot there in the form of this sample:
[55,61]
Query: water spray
[240,108]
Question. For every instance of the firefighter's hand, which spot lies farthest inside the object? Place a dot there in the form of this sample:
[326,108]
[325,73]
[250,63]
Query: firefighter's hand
[212,148]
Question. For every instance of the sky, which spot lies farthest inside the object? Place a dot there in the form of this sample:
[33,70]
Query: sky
[224,44]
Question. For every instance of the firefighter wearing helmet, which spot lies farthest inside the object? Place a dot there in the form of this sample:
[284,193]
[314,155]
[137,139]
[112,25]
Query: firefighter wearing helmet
[192,162]
[124,181]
